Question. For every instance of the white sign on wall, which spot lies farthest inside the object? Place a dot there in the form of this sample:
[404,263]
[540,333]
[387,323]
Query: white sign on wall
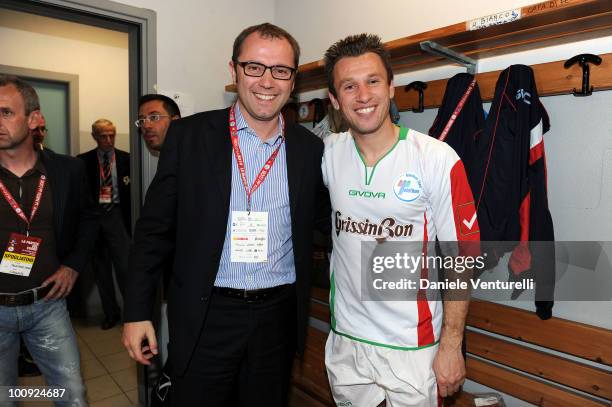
[494,19]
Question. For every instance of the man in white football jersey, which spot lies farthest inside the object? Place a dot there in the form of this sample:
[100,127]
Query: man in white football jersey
[389,183]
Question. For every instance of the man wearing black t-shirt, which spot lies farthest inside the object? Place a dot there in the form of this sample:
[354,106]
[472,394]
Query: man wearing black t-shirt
[47,229]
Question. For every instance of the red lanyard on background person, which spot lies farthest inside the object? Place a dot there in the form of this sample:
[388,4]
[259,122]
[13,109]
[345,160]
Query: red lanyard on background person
[458,109]
[35,205]
[263,173]
[110,167]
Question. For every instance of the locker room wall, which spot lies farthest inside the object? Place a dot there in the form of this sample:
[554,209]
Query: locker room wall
[194,44]
[578,147]
[318,23]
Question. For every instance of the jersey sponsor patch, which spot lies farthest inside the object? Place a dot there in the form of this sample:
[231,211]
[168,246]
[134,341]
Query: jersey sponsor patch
[407,187]
[387,227]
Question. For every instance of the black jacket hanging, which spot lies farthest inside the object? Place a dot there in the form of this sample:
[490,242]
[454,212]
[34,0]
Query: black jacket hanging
[511,170]
[462,132]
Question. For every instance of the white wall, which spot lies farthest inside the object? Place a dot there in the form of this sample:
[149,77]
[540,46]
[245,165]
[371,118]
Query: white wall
[98,56]
[194,44]
[316,24]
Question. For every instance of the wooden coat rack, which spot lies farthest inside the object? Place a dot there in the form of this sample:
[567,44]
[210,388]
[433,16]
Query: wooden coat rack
[540,25]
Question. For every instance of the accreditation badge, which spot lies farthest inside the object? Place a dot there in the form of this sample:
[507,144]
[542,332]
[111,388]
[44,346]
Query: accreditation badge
[20,254]
[249,237]
[106,194]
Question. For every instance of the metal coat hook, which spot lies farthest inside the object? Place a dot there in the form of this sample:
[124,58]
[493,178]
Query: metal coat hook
[584,60]
[419,87]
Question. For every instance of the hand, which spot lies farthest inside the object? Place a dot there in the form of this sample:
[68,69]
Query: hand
[449,368]
[133,335]
[63,281]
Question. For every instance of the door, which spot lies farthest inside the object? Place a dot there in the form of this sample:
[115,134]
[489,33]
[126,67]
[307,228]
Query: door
[54,105]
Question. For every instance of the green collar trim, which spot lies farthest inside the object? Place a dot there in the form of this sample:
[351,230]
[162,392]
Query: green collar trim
[368,179]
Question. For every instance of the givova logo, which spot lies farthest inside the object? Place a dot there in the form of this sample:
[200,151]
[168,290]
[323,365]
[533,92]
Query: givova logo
[344,403]
[407,187]
[366,194]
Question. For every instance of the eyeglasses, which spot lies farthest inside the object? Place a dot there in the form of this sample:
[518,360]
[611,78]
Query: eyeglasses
[150,118]
[284,73]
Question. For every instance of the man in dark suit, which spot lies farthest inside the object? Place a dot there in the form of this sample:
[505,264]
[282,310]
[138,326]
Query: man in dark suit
[236,196]
[48,226]
[108,170]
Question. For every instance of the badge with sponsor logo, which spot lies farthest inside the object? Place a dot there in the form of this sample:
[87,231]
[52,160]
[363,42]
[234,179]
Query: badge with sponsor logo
[249,237]
[106,194]
[407,187]
[20,254]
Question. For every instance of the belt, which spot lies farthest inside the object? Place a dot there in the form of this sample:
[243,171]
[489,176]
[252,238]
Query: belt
[25,297]
[250,296]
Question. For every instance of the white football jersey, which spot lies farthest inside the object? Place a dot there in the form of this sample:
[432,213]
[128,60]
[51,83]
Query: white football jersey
[417,192]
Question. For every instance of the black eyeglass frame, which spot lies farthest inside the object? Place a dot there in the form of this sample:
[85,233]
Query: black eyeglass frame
[243,64]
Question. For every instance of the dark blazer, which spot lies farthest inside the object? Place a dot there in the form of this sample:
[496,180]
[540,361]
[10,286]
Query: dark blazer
[186,212]
[123,181]
[75,215]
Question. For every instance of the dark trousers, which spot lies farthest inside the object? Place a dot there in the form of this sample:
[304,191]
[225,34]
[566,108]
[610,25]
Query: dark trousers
[112,250]
[243,356]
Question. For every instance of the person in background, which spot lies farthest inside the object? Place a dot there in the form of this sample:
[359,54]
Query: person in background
[108,169]
[155,113]
[39,133]
[48,225]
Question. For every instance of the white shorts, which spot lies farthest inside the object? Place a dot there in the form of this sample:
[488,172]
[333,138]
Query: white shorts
[363,375]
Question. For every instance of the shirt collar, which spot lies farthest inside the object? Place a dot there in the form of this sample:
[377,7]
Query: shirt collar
[101,153]
[241,124]
[38,167]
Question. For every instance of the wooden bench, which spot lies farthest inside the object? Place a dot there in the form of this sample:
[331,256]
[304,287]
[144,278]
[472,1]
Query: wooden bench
[545,363]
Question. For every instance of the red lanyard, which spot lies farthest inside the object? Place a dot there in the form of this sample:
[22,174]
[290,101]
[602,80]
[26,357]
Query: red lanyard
[104,175]
[263,173]
[458,109]
[35,205]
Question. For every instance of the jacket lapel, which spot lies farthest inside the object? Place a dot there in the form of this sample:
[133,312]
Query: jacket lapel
[119,162]
[93,171]
[219,146]
[59,190]
[295,166]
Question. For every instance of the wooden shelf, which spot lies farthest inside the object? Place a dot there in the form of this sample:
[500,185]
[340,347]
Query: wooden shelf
[540,25]
[552,78]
